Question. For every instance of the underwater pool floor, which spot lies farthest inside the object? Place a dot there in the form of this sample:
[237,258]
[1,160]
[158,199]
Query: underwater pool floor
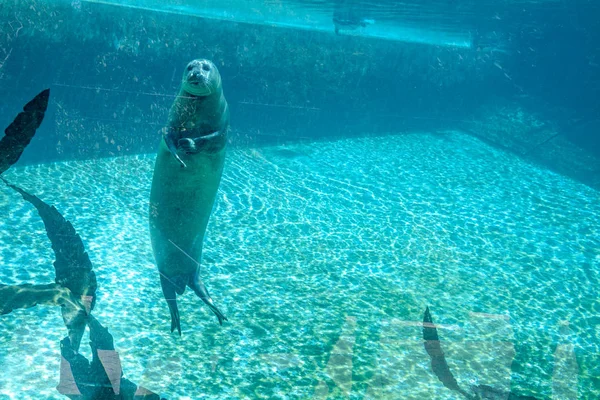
[324,256]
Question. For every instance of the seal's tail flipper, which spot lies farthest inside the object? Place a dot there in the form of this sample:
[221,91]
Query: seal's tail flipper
[200,290]
[20,132]
[170,293]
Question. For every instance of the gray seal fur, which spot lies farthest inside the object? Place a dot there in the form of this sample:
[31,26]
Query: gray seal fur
[187,174]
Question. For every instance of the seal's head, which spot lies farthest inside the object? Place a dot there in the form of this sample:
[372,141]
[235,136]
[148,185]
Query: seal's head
[201,78]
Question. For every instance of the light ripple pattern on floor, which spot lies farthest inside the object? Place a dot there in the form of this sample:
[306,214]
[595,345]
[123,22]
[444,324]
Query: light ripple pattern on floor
[323,256]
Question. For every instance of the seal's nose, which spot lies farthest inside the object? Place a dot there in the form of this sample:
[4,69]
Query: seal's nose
[199,75]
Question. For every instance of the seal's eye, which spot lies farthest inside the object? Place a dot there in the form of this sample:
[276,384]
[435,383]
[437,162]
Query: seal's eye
[206,67]
[189,67]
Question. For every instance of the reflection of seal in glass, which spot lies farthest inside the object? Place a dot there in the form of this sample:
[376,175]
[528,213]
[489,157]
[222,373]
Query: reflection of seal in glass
[440,368]
[75,279]
[72,266]
[20,132]
[75,286]
[100,379]
[346,16]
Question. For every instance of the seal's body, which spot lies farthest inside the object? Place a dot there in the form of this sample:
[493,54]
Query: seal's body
[188,170]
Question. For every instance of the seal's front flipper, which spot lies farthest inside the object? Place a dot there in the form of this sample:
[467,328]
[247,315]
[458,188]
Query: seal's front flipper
[208,137]
[207,143]
[211,143]
[187,145]
[170,135]
[200,290]
[170,294]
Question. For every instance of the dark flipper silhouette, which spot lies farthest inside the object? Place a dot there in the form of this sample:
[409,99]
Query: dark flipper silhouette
[438,360]
[72,266]
[442,371]
[198,287]
[20,132]
[102,378]
[169,288]
[174,286]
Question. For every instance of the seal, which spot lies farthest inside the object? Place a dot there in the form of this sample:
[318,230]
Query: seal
[187,174]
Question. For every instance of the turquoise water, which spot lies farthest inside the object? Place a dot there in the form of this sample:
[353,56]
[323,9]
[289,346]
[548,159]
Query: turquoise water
[313,16]
[324,256]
